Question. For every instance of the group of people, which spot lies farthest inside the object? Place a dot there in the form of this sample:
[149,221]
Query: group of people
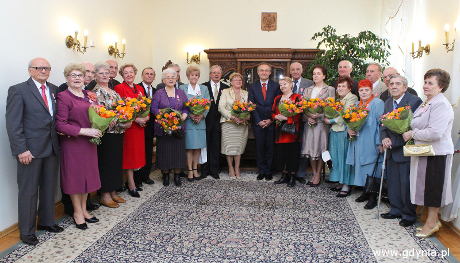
[44,121]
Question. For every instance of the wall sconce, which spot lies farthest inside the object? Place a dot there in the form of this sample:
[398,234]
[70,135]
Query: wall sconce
[449,47]
[71,42]
[114,50]
[195,58]
[419,52]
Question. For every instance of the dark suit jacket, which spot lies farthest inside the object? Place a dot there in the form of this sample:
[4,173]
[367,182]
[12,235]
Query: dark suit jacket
[64,87]
[386,94]
[162,85]
[148,130]
[213,117]
[264,107]
[397,141]
[28,121]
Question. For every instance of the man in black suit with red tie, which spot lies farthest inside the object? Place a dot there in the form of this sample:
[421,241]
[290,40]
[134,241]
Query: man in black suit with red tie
[142,175]
[213,130]
[263,92]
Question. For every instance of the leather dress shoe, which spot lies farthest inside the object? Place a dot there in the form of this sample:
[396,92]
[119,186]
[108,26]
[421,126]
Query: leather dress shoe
[92,220]
[149,181]
[260,176]
[29,239]
[110,204]
[268,177]
[83,226]
[432,231]
[122,189]
[419,228]
[284,179]
[301,180]
[90,206]
[385,199]
[134,193]
[119,200]
[215,176]
[389,216]
[52,229]
[362,198]
[406,223]
[138,187]
[371,203]
[309,183]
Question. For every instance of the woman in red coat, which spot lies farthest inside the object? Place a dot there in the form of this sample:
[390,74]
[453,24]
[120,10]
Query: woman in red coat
[287,145]
[133,141]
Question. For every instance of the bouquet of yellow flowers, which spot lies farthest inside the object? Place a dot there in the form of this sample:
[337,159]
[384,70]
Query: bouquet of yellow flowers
[100,119]
[398,121]
[124,110]
[169,119]
[241,109]
[355,117]
[314,105]
[141,105]
[332,108]
[289,108]
[198,106]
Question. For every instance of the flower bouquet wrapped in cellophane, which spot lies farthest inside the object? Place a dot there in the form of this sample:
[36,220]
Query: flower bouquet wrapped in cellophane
[100,118]
[398,121]
[354,117]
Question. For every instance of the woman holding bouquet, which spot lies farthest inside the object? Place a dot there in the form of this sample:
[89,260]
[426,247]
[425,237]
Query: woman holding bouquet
[287,145]
[170,147]
[79,170]
[430,176]
[133,141]
[315,135]
[110,151]
[364,151]
[234,129]
[338,141]
[195,138]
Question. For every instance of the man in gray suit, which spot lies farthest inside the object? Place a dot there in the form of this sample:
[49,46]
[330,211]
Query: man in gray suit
[31,127]
[373,73]
[398,166]
[299,86]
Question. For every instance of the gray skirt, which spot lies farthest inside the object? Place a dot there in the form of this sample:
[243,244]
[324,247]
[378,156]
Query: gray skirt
[234,138]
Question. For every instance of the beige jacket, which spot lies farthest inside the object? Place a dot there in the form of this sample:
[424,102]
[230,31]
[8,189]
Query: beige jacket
[227,99]
[347,101]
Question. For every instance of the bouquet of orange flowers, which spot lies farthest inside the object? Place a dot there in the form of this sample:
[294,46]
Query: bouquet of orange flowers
[241,109]
[315,105]
[169,119]
[355,117]
[332,108]
[141,105]
[289,108]
[198,106]
[124,110]
[100,119]
[398,120]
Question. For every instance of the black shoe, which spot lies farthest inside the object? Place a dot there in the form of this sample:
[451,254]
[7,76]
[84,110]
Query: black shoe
[335,189]
[166,179]
[291,182]
[315,185]
[134,193]
[371,203]
[283,180]
[268,177]
[190,179]
[389,216]
[83,226]
[344,193]
[215,176]
[122,189]
[362,198]
[260,176]
[406,223]
[29,239]
[92,220]
[91,206]
[385,199]
[301,180]
[310,183]
[177,179]
[149,181]
[138,187]
[52,229]
[182,174]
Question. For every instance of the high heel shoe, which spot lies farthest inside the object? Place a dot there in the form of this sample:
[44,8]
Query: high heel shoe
[432,231]
[83,226]
[134,193]
[92,220]
[419,228]
[196,178]
[344,193]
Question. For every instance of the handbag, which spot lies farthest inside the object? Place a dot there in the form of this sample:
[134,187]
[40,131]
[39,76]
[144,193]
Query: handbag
[289,128]
[179,133]
[372,185]
[418,150]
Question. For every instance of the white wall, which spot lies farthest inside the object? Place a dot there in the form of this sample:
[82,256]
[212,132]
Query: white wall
[38,29]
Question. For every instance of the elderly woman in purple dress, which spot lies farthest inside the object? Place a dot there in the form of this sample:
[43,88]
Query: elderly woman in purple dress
[170,148]
[79,169]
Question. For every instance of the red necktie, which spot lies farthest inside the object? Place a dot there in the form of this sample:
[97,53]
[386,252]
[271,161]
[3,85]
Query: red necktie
[44,96]
[264,90]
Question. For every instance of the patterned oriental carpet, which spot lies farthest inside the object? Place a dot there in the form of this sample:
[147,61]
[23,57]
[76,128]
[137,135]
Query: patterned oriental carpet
[234,221]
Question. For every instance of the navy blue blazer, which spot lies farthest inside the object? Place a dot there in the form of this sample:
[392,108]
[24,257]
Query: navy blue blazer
[264,107]
[397,141]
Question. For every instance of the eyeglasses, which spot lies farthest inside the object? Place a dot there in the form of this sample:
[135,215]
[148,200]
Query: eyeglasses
[104,73]
[170,78]
[42,68]
[74,76]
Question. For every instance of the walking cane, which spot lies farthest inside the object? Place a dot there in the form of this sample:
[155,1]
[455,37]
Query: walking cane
[381,183]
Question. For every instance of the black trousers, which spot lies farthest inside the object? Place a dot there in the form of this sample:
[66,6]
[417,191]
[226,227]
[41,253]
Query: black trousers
[213,141]
[143,174]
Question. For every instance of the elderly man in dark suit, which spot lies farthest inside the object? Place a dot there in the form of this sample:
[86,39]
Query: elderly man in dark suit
[398,166]
[387,73]
[213,129]
[142,175]
[31,127]
[263,92]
